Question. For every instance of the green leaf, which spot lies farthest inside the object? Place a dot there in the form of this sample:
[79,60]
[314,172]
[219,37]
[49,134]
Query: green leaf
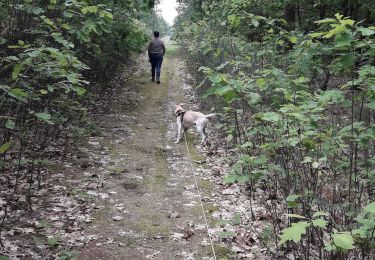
[52,241]
[337,30]
[326,20]
[230,178]
[68,255]
[2,40]
[344,40]
[307,159]
[334,96]
[50,88]
[234,20]
[315,165]
[347,22]
[270,117]
[89,9]
[343,240]
[362,232]
[319,223]
[68,14]
[4,87]
[243,178]
[4,257]
[18,93]
[316,35]
[5,147]
[261,82]
[366,31]
[45,117]
[47,21]
[12,58]
[79,90]
[371,105]
[370,208]
[293,39]
[348,60]
[261,160]
[106,14]
[60,39]
[72,78]
[319,213]
[295,216]
[291,201]
[295,232]
[16,71]
[37,10]
[293,197]
[236,220]
[329,247]
[10,124]
[255,22]
[246,145]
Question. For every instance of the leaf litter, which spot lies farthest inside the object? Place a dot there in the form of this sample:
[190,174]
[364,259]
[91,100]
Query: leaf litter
[66,203]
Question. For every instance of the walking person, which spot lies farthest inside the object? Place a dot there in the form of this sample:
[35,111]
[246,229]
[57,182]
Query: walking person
[156,51]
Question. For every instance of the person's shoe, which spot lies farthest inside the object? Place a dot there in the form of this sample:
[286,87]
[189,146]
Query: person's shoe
[152,79]
[158,81]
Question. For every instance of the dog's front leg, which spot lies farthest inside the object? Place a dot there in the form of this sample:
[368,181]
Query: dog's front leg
[179,126]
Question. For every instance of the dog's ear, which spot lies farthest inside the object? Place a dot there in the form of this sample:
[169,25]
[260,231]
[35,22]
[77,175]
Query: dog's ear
[181,105]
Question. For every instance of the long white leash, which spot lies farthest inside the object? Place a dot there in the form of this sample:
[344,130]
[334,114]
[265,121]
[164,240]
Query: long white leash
[197,187]
[200,198]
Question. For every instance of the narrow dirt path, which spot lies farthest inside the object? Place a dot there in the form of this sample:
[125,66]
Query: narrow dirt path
[148,207]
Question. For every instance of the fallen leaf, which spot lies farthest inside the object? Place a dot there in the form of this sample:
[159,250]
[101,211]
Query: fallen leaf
[118,218]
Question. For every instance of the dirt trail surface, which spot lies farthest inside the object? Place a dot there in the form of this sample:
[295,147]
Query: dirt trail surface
[148,207]
[129,193]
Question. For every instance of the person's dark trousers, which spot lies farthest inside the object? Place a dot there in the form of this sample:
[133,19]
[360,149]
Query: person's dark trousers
[156,61]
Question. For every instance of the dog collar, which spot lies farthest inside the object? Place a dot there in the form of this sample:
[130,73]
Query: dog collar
[181,113]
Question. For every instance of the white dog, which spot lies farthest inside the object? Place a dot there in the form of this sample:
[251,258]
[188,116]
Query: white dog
[186,118]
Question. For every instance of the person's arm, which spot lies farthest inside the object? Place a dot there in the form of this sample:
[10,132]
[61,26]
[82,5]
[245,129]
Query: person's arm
[149,49]
[163,48]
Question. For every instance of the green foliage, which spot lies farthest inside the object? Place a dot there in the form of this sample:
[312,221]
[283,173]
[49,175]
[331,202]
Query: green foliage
[47,69]
[294,232]
[291,201]
[68,255]
[296,90]
[343,241]
[5,147]
[226,234]
[52,241]
[56,58]
[366,224]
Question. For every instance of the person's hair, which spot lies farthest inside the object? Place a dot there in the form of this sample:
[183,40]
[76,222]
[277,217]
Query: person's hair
[156,34]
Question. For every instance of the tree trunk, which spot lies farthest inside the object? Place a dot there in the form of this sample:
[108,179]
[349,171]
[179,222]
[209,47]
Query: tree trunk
[290,14]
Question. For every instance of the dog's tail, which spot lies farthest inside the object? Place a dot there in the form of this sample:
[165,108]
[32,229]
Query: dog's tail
[210,115]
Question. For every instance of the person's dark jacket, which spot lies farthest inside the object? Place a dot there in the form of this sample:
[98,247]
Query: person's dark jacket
[156,46]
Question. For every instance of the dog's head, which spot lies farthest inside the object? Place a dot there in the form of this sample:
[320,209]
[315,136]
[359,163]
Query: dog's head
[179,108]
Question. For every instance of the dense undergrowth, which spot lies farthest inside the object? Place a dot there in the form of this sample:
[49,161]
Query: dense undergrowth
[56,58]
[295,81]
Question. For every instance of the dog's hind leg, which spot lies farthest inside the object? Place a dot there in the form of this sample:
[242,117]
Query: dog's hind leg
[201,130]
